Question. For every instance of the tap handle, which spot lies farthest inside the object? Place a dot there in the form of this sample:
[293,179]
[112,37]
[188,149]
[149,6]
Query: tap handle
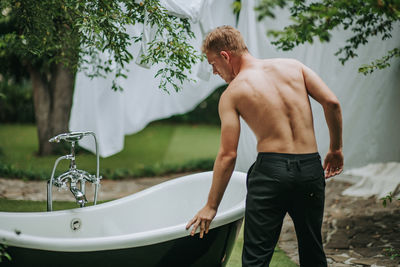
[69,137]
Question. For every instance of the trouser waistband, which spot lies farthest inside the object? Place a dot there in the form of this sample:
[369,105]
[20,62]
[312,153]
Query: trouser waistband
[285,156]
[290,159]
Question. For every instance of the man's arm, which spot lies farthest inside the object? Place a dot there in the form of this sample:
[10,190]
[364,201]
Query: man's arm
[333,163]
[223,166]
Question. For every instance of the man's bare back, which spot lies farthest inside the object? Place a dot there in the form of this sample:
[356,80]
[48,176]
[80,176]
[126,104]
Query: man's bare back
[272,98]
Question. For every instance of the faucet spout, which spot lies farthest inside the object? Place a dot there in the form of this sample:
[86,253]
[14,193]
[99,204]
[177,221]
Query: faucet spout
[79,196]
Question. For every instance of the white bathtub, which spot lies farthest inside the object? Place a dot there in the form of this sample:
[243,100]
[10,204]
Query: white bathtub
[152,220]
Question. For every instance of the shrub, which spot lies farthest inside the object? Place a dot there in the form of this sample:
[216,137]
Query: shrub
[9,171]
[159,169]
[205,113]
[16,103]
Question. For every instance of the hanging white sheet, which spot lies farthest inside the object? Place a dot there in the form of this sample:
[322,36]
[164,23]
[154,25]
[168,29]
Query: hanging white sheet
[374,179]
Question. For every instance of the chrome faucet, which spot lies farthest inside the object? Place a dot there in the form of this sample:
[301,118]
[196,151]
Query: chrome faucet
[73,176]
[79,196]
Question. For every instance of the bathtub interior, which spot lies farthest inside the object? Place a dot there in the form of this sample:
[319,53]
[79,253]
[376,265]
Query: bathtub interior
[166,205]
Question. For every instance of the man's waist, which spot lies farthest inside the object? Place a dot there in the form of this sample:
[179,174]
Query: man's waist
[300,157]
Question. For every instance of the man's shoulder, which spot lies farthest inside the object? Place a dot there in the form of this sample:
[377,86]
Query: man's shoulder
[238,85]
[235,90]
[278,62]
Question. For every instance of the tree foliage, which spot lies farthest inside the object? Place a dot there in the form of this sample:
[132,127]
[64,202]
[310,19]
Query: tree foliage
[92,36]
[364,18]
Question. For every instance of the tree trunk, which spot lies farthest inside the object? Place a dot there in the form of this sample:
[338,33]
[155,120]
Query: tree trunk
[52,98]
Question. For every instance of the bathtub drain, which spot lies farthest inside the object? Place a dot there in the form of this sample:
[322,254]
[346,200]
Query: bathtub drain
[76,224]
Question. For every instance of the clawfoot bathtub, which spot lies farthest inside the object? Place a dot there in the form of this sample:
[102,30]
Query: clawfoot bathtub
[144,229]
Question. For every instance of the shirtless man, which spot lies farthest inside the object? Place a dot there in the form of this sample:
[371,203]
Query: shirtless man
[272,96]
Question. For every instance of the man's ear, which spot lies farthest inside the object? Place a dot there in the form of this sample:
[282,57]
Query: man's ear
[225,55]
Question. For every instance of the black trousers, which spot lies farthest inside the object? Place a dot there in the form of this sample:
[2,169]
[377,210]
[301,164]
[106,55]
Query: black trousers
[278,184]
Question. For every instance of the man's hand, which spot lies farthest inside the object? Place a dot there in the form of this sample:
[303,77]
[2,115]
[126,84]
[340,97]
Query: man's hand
[203,219]
[333,163]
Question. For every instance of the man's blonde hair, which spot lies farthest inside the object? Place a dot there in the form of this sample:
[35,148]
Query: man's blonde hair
[224,38]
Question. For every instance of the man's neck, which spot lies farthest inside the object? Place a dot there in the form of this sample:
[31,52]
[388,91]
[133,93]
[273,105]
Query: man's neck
[241,62]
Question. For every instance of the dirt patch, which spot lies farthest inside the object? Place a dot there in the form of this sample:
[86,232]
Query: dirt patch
[356,231]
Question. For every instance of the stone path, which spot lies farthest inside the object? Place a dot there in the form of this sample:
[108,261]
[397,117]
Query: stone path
[356,231]
[109,189]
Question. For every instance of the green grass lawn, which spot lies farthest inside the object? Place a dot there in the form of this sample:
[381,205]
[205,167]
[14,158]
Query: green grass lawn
[156,149]
[34,206]
[279,258]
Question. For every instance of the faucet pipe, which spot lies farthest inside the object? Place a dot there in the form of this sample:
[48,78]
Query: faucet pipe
[50,183]
[97,183]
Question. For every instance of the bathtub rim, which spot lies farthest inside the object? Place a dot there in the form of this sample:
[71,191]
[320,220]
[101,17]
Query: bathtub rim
[85,244]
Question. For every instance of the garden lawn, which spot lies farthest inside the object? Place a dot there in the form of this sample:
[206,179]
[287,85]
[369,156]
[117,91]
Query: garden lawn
[157,149]
[279,258]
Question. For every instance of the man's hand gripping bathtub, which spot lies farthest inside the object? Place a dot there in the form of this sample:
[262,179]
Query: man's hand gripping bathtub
[203,220]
